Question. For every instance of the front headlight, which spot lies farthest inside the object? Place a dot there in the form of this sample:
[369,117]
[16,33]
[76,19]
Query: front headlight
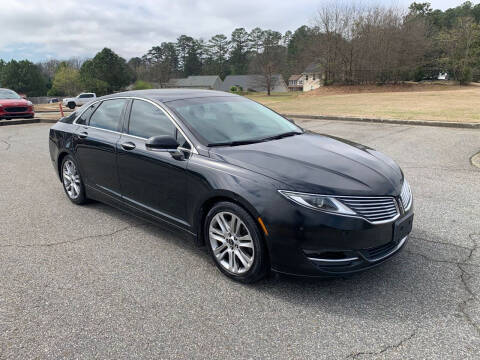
[318,202]
[29,103]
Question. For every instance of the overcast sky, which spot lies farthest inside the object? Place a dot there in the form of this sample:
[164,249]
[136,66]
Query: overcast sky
[43,29]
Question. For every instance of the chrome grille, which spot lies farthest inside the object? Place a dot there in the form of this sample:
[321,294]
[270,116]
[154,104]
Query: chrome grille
[406,195]
[374,209]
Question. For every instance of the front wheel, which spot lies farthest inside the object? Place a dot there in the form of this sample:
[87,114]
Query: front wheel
[71,105]
[235,243]
[72,181]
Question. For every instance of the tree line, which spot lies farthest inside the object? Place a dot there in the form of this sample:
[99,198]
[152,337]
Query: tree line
[353,44]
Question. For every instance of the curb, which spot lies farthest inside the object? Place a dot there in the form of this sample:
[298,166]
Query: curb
[26,121]
[18,122]
[388,121]
[475,160]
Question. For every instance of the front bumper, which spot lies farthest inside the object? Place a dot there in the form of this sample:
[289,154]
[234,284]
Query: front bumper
[313,243]
[29,113]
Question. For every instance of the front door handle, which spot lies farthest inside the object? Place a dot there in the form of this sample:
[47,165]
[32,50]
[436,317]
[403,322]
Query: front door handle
[128,145]
[83,134]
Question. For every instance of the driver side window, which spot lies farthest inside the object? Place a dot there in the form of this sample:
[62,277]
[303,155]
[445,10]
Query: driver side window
[147,120]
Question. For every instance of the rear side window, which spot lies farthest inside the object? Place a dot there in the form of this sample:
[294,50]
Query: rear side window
[69,119]
[83,119]
[147,120]
[108,115]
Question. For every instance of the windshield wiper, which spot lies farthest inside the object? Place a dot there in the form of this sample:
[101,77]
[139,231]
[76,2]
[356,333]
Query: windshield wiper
[283,135]
[235,143]
[253,141]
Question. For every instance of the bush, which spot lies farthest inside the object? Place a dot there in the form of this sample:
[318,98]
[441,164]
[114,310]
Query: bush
[142,85]
[236,88]
[465,76]
[419,75]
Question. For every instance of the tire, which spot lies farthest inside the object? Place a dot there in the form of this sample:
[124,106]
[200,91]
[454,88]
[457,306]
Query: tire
[76,191]
[241,254]
[71,105]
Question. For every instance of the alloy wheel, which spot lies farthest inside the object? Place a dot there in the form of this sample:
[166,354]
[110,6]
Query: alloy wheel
[231,242]
[71,179]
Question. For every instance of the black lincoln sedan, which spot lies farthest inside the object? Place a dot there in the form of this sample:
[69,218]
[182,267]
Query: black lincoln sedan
[257,190]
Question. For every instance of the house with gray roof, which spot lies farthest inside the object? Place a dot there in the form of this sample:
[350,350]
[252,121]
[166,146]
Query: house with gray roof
[312,77]
[211,82]
[254,83]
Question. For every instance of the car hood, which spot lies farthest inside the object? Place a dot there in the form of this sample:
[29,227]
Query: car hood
[13,102]
[318,164]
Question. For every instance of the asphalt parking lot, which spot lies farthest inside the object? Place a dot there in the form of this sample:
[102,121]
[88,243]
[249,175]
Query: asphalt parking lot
[93,282]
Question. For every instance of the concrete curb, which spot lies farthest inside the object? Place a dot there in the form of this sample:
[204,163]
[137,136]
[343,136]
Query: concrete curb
[475,160]
[388,121]
[26,121]
[18,122]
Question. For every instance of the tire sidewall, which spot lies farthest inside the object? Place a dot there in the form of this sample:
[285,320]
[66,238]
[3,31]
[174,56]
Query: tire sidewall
[81,199]
[259,267]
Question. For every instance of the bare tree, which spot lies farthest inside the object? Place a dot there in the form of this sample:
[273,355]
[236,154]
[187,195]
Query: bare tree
[358,44]
[269,60]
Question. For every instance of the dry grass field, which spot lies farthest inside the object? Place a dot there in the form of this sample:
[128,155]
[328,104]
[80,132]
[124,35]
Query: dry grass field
[403,102]
[407,102]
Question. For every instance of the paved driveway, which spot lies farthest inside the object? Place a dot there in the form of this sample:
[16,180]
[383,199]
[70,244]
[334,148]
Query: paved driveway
[85,282]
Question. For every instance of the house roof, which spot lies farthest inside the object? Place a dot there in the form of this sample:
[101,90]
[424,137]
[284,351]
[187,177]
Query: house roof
[313,68]
[294,77]
[196,81]
[254,82]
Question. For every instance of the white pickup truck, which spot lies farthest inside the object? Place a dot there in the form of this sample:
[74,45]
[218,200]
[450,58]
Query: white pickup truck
[79,100]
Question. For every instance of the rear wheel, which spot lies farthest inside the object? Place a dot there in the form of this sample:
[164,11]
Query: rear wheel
[235,243]
[72,181]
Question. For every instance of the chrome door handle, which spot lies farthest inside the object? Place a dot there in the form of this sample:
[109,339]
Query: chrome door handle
[83,134]
[128,145]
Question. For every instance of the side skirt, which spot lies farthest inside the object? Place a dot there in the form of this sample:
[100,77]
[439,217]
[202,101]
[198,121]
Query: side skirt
[100,196]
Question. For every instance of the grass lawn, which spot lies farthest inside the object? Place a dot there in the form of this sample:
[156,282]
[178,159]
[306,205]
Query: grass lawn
[445,103]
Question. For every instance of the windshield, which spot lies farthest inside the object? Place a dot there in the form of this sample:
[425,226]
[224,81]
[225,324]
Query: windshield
[231,120]
[8,94]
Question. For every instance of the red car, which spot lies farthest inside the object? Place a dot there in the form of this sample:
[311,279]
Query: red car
[13,105]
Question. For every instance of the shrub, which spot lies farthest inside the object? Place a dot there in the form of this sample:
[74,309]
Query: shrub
[465,76]
[142,85]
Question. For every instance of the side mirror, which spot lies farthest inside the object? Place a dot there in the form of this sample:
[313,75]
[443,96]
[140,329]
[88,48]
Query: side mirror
[162,143]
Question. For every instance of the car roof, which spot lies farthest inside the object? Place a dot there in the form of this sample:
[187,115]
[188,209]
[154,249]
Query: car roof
[165,95]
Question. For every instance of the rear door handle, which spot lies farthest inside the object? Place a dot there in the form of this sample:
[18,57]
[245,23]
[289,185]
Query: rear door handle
[83,134]
[128,145]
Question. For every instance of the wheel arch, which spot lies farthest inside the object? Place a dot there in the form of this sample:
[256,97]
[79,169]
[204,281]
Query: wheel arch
[61,156]
[215,198]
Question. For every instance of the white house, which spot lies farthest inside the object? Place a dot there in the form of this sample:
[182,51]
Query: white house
[310,79]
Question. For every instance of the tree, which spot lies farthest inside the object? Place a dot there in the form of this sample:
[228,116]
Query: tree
[193,62]
[218,47]
[23,77]
[239,53]
[256,40]
[161,63]
[106,72]
[270,59]
[66,81]
[460,47]
[183,48]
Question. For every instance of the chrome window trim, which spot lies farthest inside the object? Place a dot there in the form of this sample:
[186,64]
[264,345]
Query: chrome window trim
[166,112]
[357,216]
